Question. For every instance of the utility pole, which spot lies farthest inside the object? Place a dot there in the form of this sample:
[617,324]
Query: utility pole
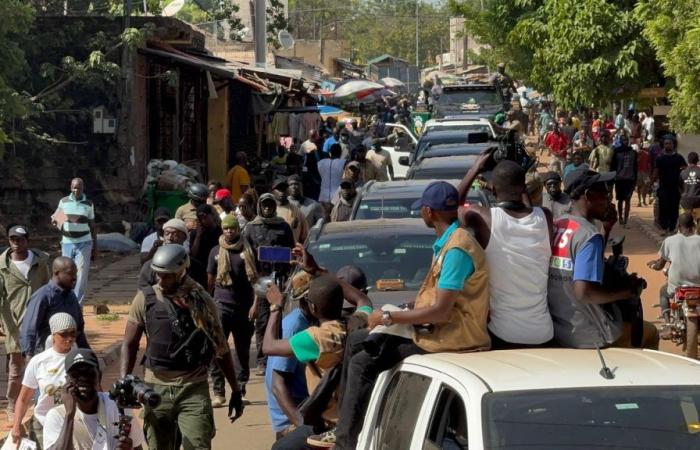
[260,33]
[417,33]
[127,13]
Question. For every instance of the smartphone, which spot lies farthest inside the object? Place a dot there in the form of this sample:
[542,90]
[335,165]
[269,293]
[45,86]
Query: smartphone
[275,254]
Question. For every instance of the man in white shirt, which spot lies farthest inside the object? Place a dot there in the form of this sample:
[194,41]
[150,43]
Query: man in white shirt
[648,125]
[154,240]
[87,419]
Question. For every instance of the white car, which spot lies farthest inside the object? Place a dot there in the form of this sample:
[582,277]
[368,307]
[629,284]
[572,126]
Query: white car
[536,399]
[459,123]
[395,152]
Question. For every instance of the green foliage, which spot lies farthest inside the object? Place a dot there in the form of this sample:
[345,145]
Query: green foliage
[276,21]
[673,28]
[17,17]
[584,53]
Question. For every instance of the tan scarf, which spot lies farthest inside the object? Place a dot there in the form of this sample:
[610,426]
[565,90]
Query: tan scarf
[223,271]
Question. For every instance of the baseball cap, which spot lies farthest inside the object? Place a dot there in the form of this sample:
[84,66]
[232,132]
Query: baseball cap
[440,196]
[579,180]
[551,176]
[18,231]
[221,194]
[81,356]
[162,213]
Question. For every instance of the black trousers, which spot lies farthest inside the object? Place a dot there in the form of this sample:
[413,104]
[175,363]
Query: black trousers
[669,202]
[363,371]
[234,319]
[261,320]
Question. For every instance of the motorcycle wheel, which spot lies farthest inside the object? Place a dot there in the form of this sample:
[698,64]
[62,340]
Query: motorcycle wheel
[692,337]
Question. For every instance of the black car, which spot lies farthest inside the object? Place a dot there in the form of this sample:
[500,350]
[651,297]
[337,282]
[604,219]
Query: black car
[438,138]
[472,99]
[393,199]
[442,168]
[394,254]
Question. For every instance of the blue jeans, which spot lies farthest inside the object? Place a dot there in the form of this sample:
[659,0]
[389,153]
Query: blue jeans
[81,254]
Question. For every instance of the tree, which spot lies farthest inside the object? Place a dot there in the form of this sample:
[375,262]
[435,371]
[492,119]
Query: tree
[673,28]
[584,53]
[17,17]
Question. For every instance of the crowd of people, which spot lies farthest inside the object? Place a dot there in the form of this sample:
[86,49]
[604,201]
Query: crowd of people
[203,280]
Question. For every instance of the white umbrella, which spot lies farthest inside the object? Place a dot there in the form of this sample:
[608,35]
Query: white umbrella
[356,90]
[390,82]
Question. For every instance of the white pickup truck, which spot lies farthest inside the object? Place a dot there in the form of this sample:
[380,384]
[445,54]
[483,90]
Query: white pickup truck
[536,399]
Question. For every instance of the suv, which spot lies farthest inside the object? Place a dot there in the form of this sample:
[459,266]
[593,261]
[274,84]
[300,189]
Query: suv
[472,99]
[536,399]
[394,254]
[393,199]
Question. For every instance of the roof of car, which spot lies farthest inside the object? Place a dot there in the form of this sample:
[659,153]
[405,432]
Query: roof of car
[376,227]
[440,150]
[411,188]
[559,368]
[458,120]
[444,134]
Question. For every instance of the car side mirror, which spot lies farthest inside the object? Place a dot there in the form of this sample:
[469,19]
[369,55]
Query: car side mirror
[403,160]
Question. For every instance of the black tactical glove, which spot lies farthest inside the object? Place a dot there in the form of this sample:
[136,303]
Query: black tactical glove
[236,403]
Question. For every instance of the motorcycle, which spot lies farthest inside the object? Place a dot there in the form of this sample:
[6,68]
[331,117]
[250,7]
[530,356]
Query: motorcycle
[683,319]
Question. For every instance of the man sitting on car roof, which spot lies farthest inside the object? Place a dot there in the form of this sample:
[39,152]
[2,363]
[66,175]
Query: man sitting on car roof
[453,302]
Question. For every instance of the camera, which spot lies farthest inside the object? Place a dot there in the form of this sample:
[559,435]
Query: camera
[511,148]
[131,392]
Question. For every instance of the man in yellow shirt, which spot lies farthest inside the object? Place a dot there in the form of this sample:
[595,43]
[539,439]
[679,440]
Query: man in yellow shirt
[237,178]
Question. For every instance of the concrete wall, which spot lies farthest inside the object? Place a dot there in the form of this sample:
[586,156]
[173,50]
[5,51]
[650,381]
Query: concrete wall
[310,52]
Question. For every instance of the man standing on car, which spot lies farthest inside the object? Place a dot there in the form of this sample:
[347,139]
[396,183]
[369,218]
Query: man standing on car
[516,239]
[22,272]
[453,300]
[266,230]
[576,292]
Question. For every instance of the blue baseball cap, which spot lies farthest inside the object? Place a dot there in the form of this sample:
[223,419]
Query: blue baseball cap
[440,196]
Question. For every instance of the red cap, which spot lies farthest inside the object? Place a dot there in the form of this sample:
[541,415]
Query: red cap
[222,194]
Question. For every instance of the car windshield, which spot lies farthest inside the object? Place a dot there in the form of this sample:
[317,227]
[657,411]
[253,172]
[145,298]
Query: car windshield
[457,126]
[397,208]
[479,97]
[427,142]
[390,261]
[656,417]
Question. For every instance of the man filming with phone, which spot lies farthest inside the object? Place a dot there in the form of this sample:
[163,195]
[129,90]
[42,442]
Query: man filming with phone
[87,419]
[265,231]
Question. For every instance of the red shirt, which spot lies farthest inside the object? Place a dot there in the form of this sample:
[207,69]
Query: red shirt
[643,162]
[557,143]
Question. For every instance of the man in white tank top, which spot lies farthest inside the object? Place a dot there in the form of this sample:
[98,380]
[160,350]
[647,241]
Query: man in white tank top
[516,238]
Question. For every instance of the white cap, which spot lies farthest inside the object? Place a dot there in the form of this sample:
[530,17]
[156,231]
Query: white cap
[60,322]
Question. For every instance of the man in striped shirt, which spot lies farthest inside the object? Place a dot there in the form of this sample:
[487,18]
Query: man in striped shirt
[75,217]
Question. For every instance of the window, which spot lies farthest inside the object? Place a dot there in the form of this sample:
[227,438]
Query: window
[399,411]
[649,417]
[448,424]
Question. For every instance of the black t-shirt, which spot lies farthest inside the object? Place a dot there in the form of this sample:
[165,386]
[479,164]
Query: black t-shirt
[210,239]
[278,235]
[669,167]
[241,292]
[691,188]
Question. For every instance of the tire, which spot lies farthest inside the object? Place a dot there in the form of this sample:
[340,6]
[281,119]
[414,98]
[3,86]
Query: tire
[692,337]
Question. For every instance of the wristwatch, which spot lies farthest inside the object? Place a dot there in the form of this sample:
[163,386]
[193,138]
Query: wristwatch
[275,307]
[386,319]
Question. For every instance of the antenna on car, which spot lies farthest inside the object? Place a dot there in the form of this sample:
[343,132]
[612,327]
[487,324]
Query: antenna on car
[605,372]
